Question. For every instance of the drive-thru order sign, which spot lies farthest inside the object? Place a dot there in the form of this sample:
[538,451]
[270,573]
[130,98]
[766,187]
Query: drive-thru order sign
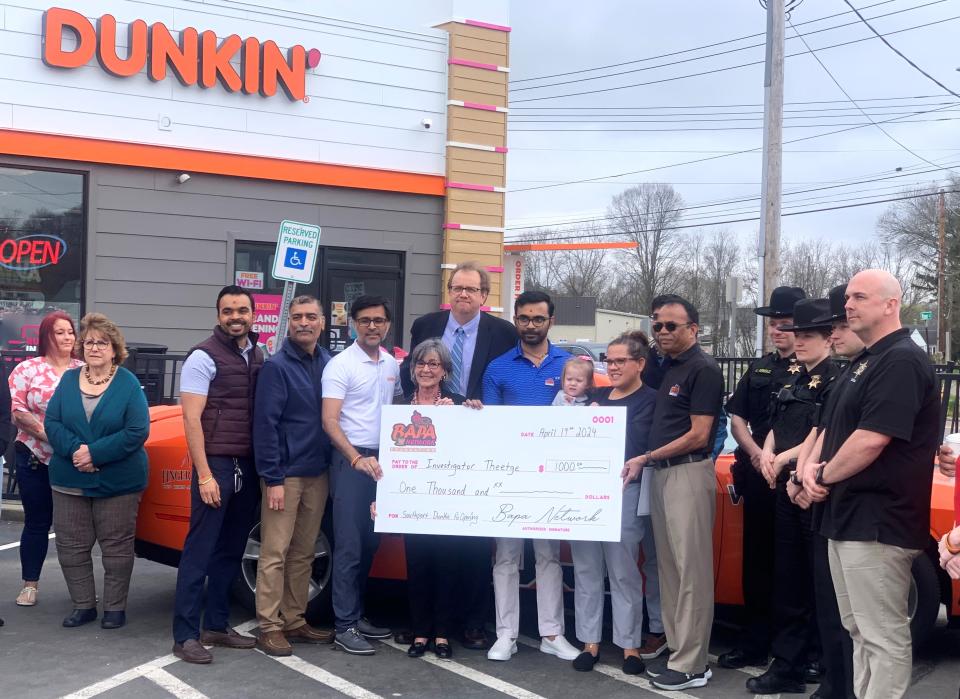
[296,256]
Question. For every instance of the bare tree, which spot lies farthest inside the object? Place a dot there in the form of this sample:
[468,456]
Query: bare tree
[647,215]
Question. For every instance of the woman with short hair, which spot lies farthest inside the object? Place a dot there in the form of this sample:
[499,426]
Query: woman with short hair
[32,384]
[97,422]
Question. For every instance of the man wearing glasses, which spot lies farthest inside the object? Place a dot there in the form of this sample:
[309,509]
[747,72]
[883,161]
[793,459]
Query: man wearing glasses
[216,393]
[356,384]
[528,374]
[682,494]
[474,339]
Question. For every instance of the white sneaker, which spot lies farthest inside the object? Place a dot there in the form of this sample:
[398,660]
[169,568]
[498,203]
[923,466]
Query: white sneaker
[503,649]
[559,647]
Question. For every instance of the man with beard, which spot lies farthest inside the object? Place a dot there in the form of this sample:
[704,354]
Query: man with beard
[356,384]
[749,409]
[529,374]
[216,393]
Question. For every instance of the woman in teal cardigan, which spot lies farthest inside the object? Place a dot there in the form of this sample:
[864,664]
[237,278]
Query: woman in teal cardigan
[97,423]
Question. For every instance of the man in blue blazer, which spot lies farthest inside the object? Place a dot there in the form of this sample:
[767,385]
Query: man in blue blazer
[474,339]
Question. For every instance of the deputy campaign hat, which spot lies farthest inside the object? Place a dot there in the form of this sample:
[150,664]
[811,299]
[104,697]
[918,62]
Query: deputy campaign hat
[838,303]
[781,302]
[807,314]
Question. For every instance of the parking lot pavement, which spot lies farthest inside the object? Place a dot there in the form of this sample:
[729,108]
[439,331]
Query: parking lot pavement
[39,658]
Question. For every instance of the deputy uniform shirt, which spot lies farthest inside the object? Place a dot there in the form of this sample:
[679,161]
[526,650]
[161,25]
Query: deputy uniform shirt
[692,385]
[890,389]
[797,406]
[364,385]
[756,390]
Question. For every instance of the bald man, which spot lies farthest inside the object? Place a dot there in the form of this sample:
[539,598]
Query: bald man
[874,478]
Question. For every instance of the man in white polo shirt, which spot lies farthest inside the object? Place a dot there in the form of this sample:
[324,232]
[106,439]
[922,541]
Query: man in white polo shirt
[356,383]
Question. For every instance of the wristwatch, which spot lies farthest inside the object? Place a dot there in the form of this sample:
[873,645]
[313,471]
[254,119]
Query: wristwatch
[819,479]
[794,479]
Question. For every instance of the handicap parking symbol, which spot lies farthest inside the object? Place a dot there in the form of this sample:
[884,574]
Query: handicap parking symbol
[296,258]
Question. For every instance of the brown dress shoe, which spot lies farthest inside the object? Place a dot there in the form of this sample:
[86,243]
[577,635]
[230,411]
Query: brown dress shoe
[228,638]
[190,651]
[274,643]
[309,634]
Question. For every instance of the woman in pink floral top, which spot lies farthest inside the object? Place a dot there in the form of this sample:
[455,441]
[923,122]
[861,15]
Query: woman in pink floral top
[32,383]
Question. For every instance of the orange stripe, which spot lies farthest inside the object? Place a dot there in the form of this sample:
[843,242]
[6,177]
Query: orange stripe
[186,160]
[528,247]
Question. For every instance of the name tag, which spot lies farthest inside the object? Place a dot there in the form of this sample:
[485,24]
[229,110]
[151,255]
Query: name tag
[675,390]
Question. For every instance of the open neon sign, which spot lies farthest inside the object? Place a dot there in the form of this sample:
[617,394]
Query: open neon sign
[32,252]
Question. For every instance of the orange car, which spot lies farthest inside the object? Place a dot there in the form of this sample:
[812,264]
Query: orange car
[165,515]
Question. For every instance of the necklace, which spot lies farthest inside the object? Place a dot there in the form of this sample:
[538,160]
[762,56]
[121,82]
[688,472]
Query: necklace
[536,358]
[436,398]
[99,382]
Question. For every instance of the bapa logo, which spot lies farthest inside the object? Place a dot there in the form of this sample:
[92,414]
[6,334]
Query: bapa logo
[32,251]
[197,58]
[421,432]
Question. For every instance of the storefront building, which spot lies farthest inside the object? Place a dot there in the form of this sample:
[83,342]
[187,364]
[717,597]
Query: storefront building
[149,152]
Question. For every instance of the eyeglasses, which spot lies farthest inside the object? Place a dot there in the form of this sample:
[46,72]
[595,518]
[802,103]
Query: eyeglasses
[99,344]
[536,321]
[367,322]
[669,325]
[620,362]
[432,366]
[457,290]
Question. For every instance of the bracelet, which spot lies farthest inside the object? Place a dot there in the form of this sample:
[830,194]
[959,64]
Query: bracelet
[793,478]
[205,480]
[353,464]
[819,478]
[953,550]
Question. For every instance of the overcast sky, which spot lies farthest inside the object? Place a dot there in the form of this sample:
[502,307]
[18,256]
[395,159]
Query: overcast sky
[562,36]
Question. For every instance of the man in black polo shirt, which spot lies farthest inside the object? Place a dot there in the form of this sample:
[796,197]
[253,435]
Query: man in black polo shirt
[875,480]
[682,494]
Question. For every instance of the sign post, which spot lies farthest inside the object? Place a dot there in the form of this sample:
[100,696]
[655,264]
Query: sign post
[294,263]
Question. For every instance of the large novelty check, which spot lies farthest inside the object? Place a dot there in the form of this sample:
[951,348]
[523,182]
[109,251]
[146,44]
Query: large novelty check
[539,473]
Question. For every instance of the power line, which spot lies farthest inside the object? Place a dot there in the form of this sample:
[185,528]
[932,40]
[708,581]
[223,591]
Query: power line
[897,51]
[726,68]
[709,55]
[731,106]
[823,111]
[722,202]
[695,48]
[747,220]
[720,122]
[707,117]
[721,128]
[713,157]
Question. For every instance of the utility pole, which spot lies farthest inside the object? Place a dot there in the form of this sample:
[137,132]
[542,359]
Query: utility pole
[771,181]
[943,342]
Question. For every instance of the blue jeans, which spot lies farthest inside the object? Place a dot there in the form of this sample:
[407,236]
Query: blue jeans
[33,480]
[214,547]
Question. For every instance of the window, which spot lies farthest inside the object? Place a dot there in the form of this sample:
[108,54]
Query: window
[42,225]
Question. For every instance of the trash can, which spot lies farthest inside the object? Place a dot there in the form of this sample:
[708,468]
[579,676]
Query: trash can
[148,362]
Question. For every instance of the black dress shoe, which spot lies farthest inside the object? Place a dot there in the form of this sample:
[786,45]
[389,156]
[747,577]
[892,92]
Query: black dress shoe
[737,658]
[633,665]
[585,661]
[113,620]
[772,682]
[443,651]
[813,672]
[476,639]
[79,617]
[416,650]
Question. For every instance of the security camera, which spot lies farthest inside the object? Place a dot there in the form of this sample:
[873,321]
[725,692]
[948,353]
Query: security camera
[426,123]
[183,178]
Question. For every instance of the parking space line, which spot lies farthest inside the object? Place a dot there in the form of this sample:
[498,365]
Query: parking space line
[323,677]
[174,685]
[638,681]
[751,671]
[495,683]
[15,544]
[121,678]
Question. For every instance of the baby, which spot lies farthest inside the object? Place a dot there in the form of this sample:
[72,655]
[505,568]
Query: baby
[576,382]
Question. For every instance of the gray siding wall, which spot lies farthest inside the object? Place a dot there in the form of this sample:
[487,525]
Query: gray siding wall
[158,251]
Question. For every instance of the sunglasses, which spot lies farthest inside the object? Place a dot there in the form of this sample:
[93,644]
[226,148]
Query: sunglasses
[670,326]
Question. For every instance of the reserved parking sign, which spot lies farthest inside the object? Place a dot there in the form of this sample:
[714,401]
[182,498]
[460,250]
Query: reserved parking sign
[296,256]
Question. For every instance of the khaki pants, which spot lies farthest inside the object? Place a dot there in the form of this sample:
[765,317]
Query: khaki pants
[287,547]
[682,506]
[872,582]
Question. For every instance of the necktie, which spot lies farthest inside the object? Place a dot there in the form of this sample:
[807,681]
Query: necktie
[456,353]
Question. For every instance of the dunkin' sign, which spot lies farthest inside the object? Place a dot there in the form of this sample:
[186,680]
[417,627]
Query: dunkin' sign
[195,58]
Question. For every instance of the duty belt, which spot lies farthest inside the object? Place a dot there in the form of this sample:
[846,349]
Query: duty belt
[677,460]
